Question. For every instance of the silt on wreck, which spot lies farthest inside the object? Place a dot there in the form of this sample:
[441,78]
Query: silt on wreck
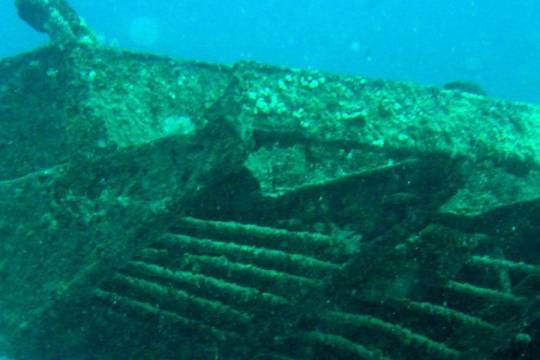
[155,208]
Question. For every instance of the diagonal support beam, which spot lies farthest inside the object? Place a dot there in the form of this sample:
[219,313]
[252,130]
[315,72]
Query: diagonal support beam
[58,19]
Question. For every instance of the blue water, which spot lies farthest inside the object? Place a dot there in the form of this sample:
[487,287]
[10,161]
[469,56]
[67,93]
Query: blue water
[495,43]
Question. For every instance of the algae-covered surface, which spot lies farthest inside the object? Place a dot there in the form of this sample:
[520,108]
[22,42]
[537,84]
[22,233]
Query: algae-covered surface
[153,208]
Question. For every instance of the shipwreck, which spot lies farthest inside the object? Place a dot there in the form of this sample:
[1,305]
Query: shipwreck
[154,208]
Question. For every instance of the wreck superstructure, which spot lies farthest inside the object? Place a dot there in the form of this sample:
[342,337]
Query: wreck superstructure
[154,208]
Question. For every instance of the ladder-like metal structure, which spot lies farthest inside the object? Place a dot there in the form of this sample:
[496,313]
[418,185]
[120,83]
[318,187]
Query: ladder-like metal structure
[233,283]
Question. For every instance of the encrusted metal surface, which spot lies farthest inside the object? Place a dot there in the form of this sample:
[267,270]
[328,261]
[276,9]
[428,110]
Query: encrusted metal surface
[221,279]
